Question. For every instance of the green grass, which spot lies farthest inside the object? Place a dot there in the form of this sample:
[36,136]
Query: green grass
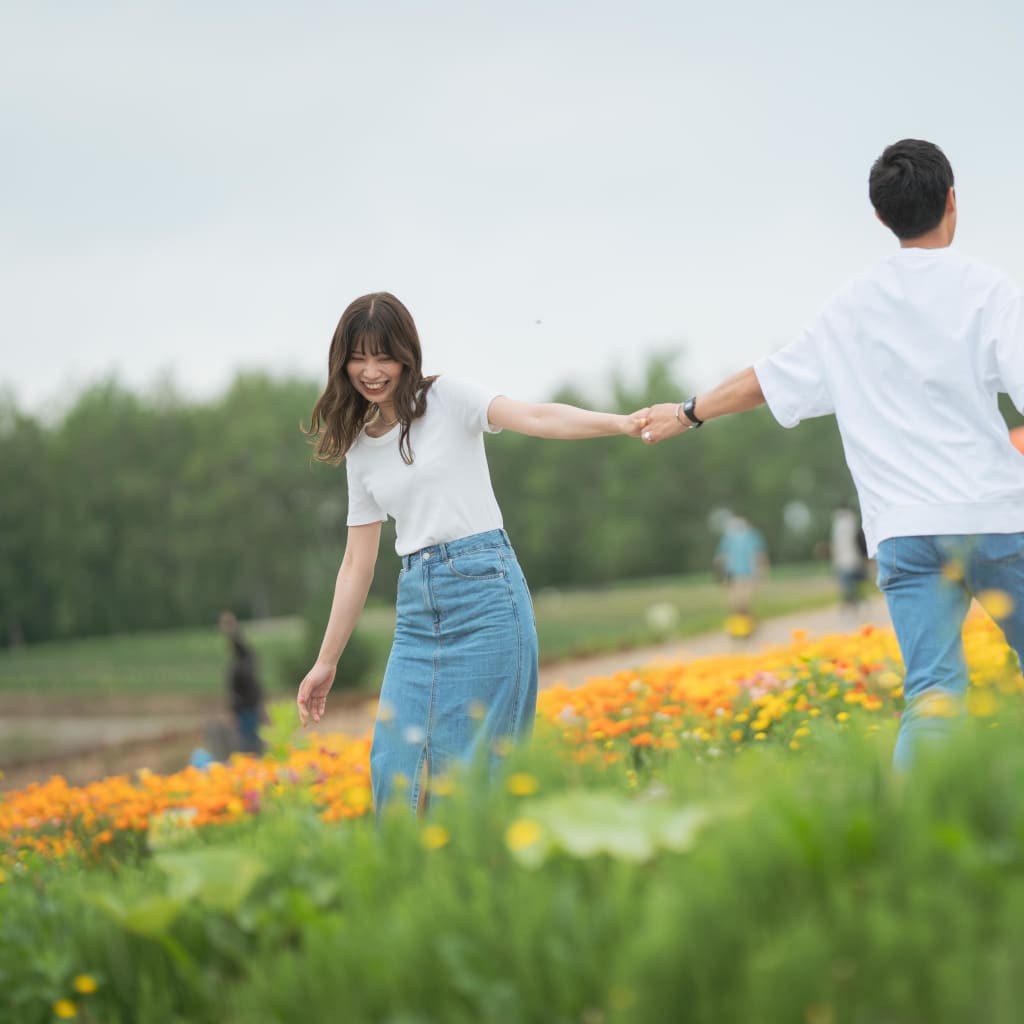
[192,662]
[574,622]
[166,663]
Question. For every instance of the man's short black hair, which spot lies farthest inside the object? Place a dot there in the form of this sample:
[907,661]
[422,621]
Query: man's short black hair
[908,186]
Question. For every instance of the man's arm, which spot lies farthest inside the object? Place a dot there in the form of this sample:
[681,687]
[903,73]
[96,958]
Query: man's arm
[737,393]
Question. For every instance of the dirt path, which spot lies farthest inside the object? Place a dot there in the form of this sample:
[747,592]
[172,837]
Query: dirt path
[102,745]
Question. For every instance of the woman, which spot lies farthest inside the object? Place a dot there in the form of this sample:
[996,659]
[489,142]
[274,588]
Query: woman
[462,674]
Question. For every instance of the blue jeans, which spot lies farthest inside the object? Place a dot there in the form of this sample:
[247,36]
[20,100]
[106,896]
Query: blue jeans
[461,679]
[928,584]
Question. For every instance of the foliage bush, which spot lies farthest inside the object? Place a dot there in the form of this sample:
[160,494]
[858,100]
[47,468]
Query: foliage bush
[811,887]
[776,880]
[360,665]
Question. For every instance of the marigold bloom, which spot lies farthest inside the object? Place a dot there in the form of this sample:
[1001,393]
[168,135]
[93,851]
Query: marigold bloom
[522,784]
[997,603]
[522,833]
[434,837]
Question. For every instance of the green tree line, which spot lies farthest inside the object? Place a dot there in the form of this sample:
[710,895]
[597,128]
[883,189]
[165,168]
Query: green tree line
[134,512]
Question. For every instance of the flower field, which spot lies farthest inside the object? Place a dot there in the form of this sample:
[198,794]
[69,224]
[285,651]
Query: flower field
[710,705]
[727,797]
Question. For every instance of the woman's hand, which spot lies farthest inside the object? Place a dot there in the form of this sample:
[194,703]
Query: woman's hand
[313,690]
[634,423]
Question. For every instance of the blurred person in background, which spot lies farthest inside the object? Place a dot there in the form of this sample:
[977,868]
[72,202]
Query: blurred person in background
[245,693]
[461,678]
[848,550]
[910,357]
[741,558]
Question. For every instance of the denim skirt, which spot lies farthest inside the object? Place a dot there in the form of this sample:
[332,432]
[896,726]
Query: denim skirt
[461,680]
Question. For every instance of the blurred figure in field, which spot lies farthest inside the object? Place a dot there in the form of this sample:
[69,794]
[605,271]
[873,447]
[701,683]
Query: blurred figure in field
[849,560]
[740,559]
[245,694]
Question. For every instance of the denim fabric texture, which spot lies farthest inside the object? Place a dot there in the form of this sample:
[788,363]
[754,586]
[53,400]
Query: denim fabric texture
[461,680]
[928,583]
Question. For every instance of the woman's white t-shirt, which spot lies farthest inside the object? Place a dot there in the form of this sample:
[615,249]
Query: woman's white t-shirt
[910,357]
[446,492]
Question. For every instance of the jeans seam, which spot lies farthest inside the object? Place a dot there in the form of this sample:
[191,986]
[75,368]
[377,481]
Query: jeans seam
[519,649]
[432,705]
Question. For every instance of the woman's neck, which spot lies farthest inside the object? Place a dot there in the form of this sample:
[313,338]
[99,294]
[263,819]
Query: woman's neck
[386,416]
[382,420]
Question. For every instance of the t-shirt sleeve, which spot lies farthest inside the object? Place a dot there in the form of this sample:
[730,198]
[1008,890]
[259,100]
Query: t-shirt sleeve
[467,401]
[362,509]
[1008,349]
[793,381]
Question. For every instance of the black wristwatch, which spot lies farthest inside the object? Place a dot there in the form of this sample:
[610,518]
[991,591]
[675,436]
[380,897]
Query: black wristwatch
[690,414]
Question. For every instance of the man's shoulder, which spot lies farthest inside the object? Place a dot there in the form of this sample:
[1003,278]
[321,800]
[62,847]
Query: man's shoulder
[945,269]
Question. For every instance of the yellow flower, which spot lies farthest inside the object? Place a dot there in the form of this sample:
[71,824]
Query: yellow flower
[442,785]
[953,571]
[85,984]
[997,603]
[982,703]
[739,625]
[434,837]
[522,833]
[843,716]
[522,784]
[936,705]
[759,736]
[801,732]
[65,1009]
[736,735]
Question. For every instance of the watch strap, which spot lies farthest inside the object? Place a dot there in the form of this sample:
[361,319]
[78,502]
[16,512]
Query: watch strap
[690,413]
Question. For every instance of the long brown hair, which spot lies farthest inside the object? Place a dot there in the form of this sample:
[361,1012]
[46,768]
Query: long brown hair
[380,324]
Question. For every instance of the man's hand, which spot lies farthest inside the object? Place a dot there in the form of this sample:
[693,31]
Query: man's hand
[662,423]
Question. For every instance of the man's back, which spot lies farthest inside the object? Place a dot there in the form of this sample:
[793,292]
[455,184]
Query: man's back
[910,357]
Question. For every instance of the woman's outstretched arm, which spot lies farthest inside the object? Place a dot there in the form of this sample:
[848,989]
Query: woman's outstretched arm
[567,422]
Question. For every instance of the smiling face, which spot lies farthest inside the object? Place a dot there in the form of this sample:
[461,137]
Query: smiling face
[375,370]
[375,375]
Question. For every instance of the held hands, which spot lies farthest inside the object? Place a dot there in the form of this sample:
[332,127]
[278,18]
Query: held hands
[312,698]
[634,423]
[662,423]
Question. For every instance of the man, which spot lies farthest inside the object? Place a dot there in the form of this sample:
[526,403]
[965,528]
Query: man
[909,357]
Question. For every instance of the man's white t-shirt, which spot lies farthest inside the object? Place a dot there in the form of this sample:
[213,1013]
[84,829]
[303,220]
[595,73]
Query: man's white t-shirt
[910,357]
[446,492]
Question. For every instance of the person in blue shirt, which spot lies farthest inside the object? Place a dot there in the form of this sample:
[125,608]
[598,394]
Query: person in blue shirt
[741,557]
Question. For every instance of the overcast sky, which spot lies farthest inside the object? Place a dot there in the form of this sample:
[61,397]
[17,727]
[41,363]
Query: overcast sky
[554,189]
